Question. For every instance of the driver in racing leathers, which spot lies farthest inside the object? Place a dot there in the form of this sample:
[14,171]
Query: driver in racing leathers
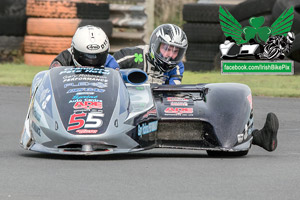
[162,59]
[89,47]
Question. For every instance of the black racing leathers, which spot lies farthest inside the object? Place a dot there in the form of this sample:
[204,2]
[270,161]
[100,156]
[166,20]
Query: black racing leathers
[139,57]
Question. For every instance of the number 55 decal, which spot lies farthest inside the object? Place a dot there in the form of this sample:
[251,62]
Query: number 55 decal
[92,121]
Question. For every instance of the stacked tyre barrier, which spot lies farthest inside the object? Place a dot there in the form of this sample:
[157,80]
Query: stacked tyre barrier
[129,23]
[51,25]
[12,31]
[204,34]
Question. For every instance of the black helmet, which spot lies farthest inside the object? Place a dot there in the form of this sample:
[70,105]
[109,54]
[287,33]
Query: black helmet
[168,44]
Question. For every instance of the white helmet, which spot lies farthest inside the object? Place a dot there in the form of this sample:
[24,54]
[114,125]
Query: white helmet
[290,37]
[90,46]
[167,37]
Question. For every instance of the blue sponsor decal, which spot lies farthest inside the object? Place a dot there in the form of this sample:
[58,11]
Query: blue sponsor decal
[95,84]
[36,114]
[44,96]
[36,128]
[144,128]
[85,70]
[84,97]
[75,90]
[77,98]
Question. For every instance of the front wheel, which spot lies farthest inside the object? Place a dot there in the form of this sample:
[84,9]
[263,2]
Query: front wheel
[226,153]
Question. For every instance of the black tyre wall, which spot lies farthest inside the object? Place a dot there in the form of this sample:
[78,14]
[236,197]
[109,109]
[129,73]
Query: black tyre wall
[198,65]
[281,5]
[13,25]
[196,12]
[250,8]
[202,51]
[203,32]
[295,51]
[12,7]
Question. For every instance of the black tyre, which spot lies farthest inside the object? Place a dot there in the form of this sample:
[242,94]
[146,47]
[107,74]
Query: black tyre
[281,5]
[295,51]
[198,65]
[251,8]
[63,27]
[296,68]
[195,12]
[11,49]
[203,32]
[92,9]
[226,153]
[11,43]
[13,25]
[202,51]
[12,7]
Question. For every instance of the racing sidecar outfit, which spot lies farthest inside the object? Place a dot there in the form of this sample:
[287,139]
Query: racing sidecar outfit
[138,57]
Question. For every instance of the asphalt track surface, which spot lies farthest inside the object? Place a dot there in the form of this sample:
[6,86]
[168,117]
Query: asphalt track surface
[154,174]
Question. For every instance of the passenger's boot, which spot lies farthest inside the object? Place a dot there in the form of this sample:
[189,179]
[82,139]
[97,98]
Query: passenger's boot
[267,136]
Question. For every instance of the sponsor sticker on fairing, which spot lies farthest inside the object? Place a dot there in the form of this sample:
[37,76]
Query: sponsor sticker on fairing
[249,97]
[86,121]
[84,77]
[179,111]
[75,90]
[80,84]
[151,112]
[145,128]
[176,103]
[177,99]
[85,71]
[36,128]
[87,105]
[86,131]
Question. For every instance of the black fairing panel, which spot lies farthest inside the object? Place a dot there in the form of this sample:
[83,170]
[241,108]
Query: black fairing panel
[84,99]
[224,106]
[227,110]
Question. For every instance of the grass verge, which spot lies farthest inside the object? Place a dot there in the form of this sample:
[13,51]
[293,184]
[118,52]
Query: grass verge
[261,85]
[18,74]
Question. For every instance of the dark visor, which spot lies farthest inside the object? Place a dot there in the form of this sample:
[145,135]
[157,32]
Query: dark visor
[86,59]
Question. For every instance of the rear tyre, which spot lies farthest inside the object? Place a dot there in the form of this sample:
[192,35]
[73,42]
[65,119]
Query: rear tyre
[91,9]
[226,153]
[38,59]
[195,12]
[204,32]
[64,27]
[46,45]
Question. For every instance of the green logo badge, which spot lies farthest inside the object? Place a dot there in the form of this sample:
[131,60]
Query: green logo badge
[232,28]
[138,58]
[256,41]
